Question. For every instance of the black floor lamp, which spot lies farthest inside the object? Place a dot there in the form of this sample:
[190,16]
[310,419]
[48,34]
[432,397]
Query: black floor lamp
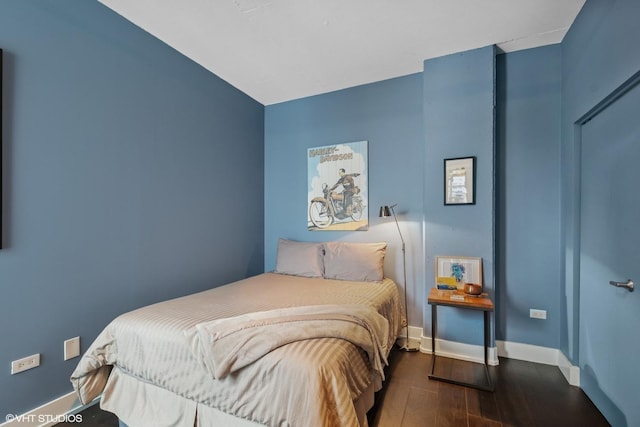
[385,212]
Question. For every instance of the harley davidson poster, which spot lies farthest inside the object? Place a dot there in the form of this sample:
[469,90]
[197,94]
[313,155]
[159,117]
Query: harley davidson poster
[337,187]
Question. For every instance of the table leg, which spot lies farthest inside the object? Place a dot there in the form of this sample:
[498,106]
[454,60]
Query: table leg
[434,320]
[434,327]
[486,350]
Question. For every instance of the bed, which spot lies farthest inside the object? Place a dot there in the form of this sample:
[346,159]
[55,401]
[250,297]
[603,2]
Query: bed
[303,345]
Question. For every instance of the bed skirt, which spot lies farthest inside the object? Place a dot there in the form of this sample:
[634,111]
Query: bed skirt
[157,406]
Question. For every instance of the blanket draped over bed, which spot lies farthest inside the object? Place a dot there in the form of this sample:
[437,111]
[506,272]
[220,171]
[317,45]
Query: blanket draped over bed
[226,345]
[240,349]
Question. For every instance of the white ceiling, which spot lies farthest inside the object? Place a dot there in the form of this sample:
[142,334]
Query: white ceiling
[279,50]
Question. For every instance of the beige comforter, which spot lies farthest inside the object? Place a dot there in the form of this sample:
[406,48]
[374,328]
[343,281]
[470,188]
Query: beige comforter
[308,382]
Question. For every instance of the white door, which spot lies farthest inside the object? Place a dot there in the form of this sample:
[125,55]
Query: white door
[610,251]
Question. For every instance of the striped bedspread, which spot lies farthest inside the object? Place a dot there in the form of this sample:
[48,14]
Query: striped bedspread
[303,383]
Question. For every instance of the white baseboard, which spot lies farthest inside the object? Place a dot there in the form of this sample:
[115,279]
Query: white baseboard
[461,351]
[528,352]
[452,349]
[537,354]
[570,372]
[62,409]
[511,350]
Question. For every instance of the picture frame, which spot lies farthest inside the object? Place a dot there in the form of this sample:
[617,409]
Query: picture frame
[460,181]
[458,270]
[337,190]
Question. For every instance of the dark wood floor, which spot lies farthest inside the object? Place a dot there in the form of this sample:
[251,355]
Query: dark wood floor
[526,395]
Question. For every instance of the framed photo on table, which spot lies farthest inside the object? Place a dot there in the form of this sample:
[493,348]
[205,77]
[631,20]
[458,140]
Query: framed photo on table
[460,181]
[458,270]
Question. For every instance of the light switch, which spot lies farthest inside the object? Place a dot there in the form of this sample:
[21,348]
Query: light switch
[71,348]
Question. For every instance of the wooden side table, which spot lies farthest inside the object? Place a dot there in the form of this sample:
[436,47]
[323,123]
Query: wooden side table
[460,300]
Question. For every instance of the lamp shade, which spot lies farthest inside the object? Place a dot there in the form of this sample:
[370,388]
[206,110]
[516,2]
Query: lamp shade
[385,212]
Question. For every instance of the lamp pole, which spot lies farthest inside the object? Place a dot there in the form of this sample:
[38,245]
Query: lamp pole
[384,210]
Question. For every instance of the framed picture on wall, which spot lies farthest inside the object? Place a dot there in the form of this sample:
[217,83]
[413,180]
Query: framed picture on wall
[460,181]
[337,187]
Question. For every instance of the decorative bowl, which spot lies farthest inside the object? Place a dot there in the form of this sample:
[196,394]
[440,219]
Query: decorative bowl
[472,288]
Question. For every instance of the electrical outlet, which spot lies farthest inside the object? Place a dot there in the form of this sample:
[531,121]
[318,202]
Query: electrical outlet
[71,348]
[25,363]
[537,314]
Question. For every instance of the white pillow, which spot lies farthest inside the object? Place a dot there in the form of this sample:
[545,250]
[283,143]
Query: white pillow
[354,261]
[300,258]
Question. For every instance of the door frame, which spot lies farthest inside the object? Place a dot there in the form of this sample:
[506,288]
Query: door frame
[574,264]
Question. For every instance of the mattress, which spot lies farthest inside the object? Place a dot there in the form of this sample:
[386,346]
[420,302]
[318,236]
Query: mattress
[149,372]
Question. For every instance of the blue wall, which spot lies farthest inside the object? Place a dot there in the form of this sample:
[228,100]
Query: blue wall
[541,93]
[123,163]
[402,119]
[599,53]
[528,273]
[388,114]
[459,99]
